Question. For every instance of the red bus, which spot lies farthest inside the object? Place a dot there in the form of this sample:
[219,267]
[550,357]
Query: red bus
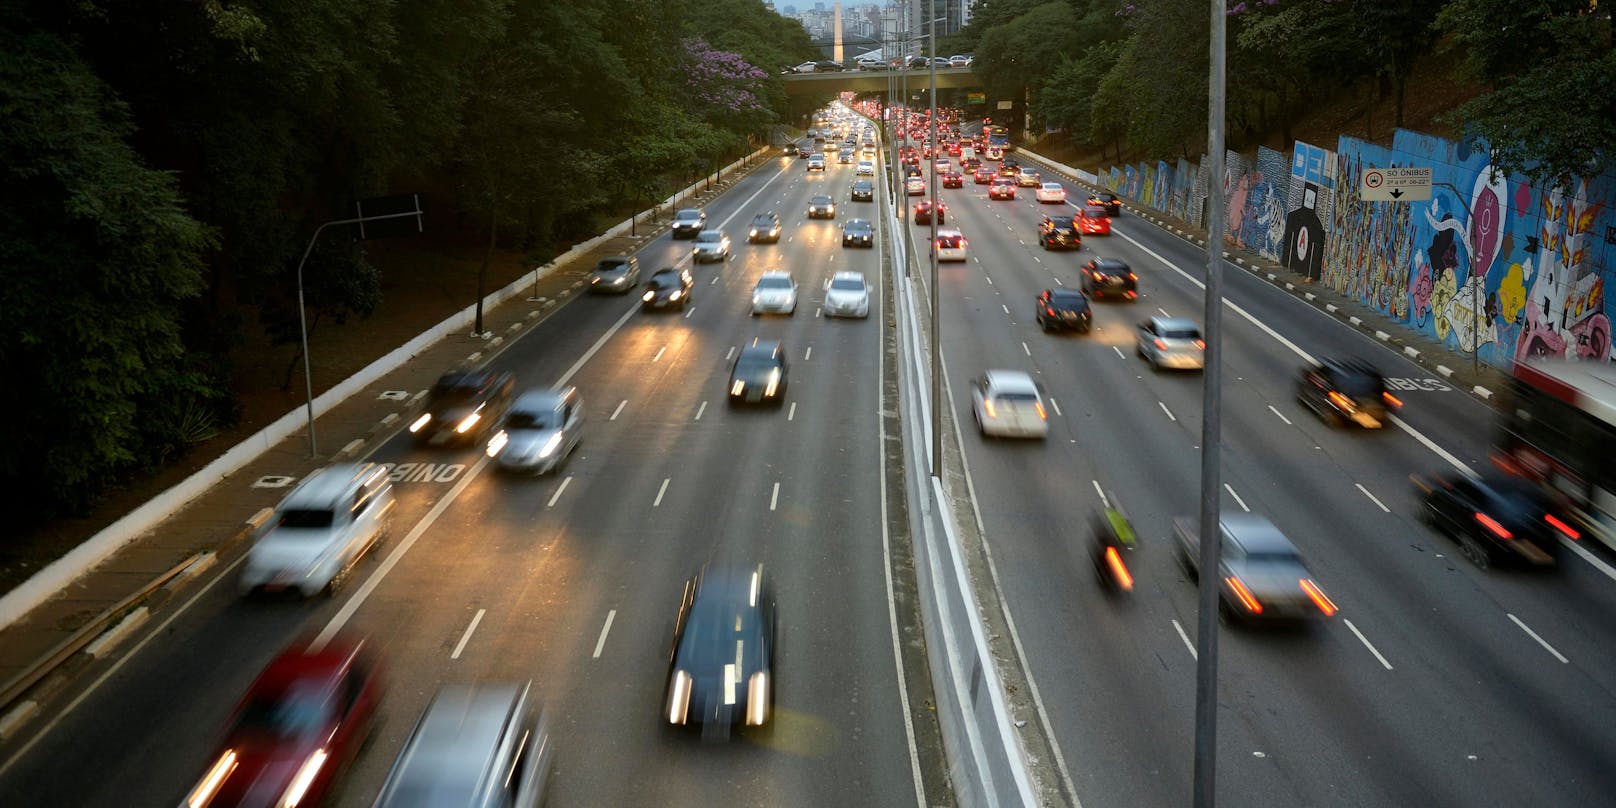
[1559,427]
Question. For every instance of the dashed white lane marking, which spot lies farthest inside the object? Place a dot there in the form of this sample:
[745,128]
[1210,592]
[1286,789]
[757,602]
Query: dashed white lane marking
[1098,490]
[1280,414]
[619,410]
[559,489]
[774,498]
[1169,412]
[990,280]
[690,311]
[657,503]
[1120,354]
[465,636]
[1058,282]
[1367,644]
[700,410]
[1540,641]
[713,282]
[604,630]
[1024,348]
[659,352]
[1039,260]
[791,414]
[808,354]
[730,354]
[1237,499]
[1163,311]
[1053,403]
[1372,498]
[1186,639]
[1006,308]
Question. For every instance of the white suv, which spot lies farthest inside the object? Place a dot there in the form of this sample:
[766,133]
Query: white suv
[321,530]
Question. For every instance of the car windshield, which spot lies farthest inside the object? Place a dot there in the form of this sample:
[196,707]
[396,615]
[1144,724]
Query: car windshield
[535,419]
[754,365]
[688,216]
[452,395]
[847,285]
[307,517]
[763,221]
[611,266]
[302,709]
[1181,333]
[1066,299]
[666,280]
[1360,384]
[775,283]
[820,200]
[710,237]
[1060,221]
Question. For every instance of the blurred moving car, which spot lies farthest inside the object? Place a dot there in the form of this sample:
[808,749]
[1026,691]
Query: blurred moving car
[1093,221]
[722,663]
[866,168]
[923,210]
[477,745]
[1007,403]
[953,179]
[1110,278]
[816,162]
[765,227]
[950,245]
[775,292]
[805,150]
[1346,391]
[1171,342]
[668,288]
[914,186]
[1002,189]
[982,175]
[1059,233]
[941,166]
[711,245]
[298,727]
[845,155]
[821,206]
[615,273]
[863,191]
[1007,170]
[1495,517]
[1105,199]
[688,222]
[1260,573]
[1064,309]
[320,531]
[1028,177]
[540,431]
[858,233]
[1050,192]
[847,294]
[463,405]
[759,374]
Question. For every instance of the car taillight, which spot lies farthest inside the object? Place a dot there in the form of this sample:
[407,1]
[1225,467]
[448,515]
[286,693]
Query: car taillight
[1569,531]
[1119,570]
[1241,593]
[1132,277]
[1391,400]
[1493,526]
[1039,405]
[1341,401]
[1200,344]
[1132,294]
[1160,343]
[1318,597]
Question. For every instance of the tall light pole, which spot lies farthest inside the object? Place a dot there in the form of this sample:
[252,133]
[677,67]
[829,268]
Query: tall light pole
[936,314]
[1206,667]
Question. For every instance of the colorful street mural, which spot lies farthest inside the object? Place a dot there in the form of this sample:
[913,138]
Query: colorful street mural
[1490,265]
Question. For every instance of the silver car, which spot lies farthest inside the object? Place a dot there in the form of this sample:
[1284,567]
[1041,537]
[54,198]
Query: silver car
[478,746]
[1260,574]
[711,245]
[775,293]
[617,273]
[320,531]
[1171,342]
[1008,403]
[540,431]
[847,294]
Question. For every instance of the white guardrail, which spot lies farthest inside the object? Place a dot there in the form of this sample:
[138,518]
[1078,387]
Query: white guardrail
[986,764]
[59,574]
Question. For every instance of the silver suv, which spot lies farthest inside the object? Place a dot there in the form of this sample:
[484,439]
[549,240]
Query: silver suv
[478,746]
[320,531]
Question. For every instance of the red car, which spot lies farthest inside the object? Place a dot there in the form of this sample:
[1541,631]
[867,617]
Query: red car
[954,149]
[1093,221]
[923,212]
[953,179]
[983,176]
[300,724]
[1002,189]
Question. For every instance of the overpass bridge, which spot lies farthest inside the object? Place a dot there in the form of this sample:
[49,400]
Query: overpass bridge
[875,81]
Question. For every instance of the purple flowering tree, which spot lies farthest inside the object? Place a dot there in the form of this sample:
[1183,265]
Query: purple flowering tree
[724,89]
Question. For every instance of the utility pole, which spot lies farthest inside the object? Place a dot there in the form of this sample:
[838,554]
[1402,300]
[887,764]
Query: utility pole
[936,312]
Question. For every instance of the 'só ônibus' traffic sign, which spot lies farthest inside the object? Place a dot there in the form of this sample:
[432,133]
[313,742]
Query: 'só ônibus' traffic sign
[1406,184]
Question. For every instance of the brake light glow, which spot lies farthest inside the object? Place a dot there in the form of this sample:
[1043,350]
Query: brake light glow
[1391,401]
[1119,570]
[1318,597]
[1569,531]
[1248,600]
[1492,525]
[205,790]
[1039,405]
[1160,343]
[1132,294]
[1341,401]
[1200,344]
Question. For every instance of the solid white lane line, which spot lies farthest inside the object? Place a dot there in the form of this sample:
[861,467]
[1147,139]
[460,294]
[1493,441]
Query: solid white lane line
[1367,644]
[466,636]
[604,630]
[1054,404]
[1120,354]
[1430,444]
[774,498]
[1186,639]
[700,410]
[1237,499]
[657,503]
[791,413]
[1598,564]
[1540,640]
[1372,498]
[1025,349]
[559,489]
[1280,414]
[619,410]
[730,354]
[808,354]
[659,353]
[1169,412]
[1103,499]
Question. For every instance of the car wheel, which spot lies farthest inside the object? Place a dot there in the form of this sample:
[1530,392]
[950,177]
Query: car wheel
[1478,553]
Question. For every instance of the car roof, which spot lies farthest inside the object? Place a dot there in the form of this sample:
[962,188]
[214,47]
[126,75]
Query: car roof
[761,347]
[303,662]
[1256,534]
[818,197]
[454,744]
[1011,381]
[769,215]
[1110,263]
[1174,323]
[949,231]
[710,233]
[1066,293]
[328,486]
[857,223]
[541,399]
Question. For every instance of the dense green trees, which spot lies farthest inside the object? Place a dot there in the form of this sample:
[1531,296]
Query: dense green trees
[168,158]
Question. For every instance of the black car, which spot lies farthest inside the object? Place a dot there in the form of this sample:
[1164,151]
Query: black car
[821,206]
[463,406]
[1064,308]
[721,667]
[953,179]
[1107,200]
[759,374]
[827,66]
[1346,391]
[615,273]
[804,150]
[1110,277]
[923,212]
[1059,233]
[765,227]
[668,288]
[1495,517]
[863,191]
[688,222]
[858,233]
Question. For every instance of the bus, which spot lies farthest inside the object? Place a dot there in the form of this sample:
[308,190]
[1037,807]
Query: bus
[999,137]
[1558,427]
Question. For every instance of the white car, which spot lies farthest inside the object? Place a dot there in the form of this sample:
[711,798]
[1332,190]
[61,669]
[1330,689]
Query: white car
[914,186]
[320,531]
[539,432]
[1008,403]
[940,165]
[816,162]
[866,168]
[775,293]
[1171,342]
[1050,192]
[847,294]
[806,67]
[711,245]
[950,245]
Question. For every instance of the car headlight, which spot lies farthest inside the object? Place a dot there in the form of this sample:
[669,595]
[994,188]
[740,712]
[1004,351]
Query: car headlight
[467,423]
[551,445]
[594,279]
[774,383]
[737,387]
[676,295]
[648,296]
[305,778]
[754,231]
[757,699]
[210,783]
[497,443]
[426,418]
[679,697]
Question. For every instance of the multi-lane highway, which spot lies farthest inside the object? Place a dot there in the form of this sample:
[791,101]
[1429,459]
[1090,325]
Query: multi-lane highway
[572,580]
[1437,684]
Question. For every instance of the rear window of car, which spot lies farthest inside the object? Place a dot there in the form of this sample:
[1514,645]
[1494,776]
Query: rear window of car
[773,283]
[1017,398]
[1181,333]
[1359,384]
[1061,221]
[847,285]
[1096,212]
[949,241]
